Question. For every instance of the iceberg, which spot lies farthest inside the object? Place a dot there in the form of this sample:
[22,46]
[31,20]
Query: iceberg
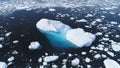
[62,36]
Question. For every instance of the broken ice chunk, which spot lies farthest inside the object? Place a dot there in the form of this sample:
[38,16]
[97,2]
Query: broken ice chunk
[3,65]
[1,46]
[79,37]
[50,58]
[34,45]
[116,46]
[75,62]
[109,63]
[8,34]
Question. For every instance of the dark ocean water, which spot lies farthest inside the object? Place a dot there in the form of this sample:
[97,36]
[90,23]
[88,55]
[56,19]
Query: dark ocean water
[23,23]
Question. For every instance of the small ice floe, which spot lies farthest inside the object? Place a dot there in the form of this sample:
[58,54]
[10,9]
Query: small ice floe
[40,60]
[110,63]
[8,34]
[99,33]
[52,9]
[83,53]
[98,20]
[50,58]
[54,66]
[3,65]
[15,41]
[87,60]
[34,45]
[72,18]
[1,46]
[116,46]
[89,15]
[97,56]
[75,62]
[81,20]
[111,53]
[113,22]
[11,58]
[2,38]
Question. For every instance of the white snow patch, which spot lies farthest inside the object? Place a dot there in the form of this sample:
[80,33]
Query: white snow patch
[82,38]
[110,63]
[34,45]
[3,65]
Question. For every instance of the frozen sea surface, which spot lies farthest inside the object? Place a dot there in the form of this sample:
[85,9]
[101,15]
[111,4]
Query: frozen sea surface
[18,30]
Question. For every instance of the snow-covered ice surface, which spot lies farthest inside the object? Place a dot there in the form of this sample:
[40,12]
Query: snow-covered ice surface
[17,30]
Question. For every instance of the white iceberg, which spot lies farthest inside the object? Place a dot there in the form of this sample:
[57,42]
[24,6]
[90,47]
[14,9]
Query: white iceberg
[62,36]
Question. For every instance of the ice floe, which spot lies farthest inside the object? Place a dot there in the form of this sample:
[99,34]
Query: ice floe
[34,45]
[3,65]
[110,63]
[50,58]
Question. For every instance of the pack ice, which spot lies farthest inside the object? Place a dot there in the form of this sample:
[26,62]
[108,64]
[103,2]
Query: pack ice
[62,36]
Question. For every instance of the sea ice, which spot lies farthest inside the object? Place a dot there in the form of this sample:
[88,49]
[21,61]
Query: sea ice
[50,58]
[110,63]
[34,45]
[75,62]
[3,65]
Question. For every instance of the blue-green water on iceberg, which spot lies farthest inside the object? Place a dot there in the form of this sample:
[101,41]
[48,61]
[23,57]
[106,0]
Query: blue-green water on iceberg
[56,32]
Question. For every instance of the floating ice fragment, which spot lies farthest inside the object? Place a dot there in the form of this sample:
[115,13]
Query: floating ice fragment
[98,20]
[50,58]
[110,63]
[116,46]
[34,45]
[113,22]
[11,58]
[8,34]
[52,9]
[15,41]
[81,20]
[75,62]
[87,60]
[1,46]
[62,36]
[3,65]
